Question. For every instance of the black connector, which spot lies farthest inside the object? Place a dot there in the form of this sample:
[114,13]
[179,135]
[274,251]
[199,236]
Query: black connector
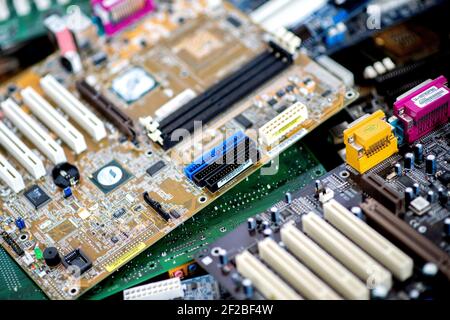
[13,244]
[155,205]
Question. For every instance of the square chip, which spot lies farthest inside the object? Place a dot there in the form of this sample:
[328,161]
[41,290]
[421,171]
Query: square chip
[110,176]
[155,168]
[133,84]
[36,196]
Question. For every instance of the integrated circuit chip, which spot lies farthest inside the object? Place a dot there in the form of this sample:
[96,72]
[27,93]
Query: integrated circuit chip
[133,84]
[36,196]
[78,260]
[243,121]
[155,168]
[110,176]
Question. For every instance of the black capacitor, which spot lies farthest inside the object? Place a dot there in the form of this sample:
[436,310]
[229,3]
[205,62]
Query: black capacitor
[430,165]
[223,257]
[409,161]
[65,175]
[431,196]
[251,224]
[447,227]
[247,285]
[416,189]
[52,257]
[442,196]
[418,152]
[409,195]
[274,215]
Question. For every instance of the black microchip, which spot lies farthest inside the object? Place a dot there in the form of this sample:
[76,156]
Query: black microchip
[234,21]
[155,168]
[406,181]
[119,213]
[272,102]
[110,176]
[77,260]
[36,196]
[445,178]
[243,121]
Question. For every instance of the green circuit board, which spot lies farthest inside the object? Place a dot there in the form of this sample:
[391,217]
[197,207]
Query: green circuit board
[297,166]
[18,28]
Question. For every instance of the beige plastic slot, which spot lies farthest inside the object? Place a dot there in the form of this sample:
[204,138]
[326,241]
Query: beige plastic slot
[346,252]
[296,274]
[264,280]
[319,261]
[10,175]
[367,238]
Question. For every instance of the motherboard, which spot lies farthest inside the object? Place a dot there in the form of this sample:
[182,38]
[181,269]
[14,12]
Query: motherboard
[376,227]
[102,154]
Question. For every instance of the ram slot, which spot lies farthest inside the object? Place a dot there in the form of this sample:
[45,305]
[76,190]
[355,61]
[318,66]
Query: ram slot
[224,94]
[45,112]
[346,252]
[73,107]
[21,152]
[108,109]
[10,175]
[319,261]
[264,280]
[367,238]
[296,274]
[31,129]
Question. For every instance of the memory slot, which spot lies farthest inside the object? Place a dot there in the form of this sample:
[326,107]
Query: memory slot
[367,238]
[107,108]
[267,282]
[10,175]
[32,130]
[21,152]
[295,273]
[221,160]
[212,154]
[323,264]
[224,94]
[346,251]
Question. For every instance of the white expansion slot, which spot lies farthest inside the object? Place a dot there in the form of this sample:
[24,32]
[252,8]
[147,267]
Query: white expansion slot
[367,238]
[54,121]
[346,251]
[283,124]
[319,261]
[269,284]
[295,273]
[31,129]
[10,175]
[73,107]
[21,152]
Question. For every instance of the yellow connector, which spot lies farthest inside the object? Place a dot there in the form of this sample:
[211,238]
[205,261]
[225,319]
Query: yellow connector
[368,141]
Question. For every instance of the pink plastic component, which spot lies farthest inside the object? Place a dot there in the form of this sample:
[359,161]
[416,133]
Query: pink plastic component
[424,109]
[104,9]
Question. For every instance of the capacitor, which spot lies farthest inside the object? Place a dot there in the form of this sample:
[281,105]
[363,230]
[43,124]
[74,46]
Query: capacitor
[418,152]
[247,285]
[52,257]
[447,227]
[398,169]
[416,189]
[223,257]
[431,196]
[409,161]
[379,293]
[251,224]
[236,278]
[267,233]
[430,164]
[409,195]
[443,196]
[318,185]
[274,215]
[288,197]
[265,225]
[20,223]
[430,269]
[357,212]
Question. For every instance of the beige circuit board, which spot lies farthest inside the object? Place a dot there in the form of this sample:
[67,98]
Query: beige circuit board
[193,55]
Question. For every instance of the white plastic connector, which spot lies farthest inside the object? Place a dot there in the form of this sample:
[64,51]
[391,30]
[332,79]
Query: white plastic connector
[10,176]
[319,261]
[367,238]
[21,152]
[48,115]
[264,280]
[31,129]
[73,107]
[162,290]
[346,251]
[296,274]
[174,104]
[283,124]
